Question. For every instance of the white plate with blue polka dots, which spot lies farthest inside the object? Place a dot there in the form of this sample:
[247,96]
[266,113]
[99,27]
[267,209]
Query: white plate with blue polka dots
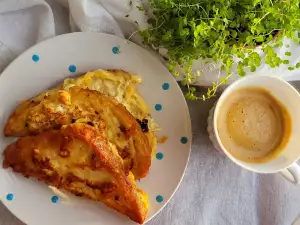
[48,63]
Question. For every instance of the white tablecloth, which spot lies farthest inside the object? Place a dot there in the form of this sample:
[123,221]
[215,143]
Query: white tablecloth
[214,190]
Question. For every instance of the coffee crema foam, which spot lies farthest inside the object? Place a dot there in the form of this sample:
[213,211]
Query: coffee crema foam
[253,125]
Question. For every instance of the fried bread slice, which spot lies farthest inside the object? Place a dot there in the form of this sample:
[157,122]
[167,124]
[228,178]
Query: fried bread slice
[55,108]
[79,159]
[122,86]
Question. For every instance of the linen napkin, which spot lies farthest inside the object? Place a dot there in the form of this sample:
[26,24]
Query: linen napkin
[24,23]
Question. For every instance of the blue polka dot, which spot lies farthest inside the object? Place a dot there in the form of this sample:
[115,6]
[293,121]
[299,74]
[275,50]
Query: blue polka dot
[159,156]
[166,86]
[158,107]
[10,197]
[35,58]
[54,199]
[116,49]
[159,198]
[72,68]
[184,140]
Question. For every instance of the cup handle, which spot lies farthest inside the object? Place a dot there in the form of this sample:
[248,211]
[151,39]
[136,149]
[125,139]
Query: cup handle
[292,173]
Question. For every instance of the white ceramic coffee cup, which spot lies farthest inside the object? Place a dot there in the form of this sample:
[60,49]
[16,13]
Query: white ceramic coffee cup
[286,162]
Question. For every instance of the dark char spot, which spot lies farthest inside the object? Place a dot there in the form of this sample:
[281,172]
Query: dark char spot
[143,124]
[122,128]
[90,123]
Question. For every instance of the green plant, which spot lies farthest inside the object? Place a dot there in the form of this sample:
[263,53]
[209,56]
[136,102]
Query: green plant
[222,30]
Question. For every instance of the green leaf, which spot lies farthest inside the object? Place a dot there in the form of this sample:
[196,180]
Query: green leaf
[257,61]
[240,65]
[277,61]
[269,50]
[246,61]
[270,38]
[251,15]
[291,68]
[256,20]
[260,38]
[240,68]
[241,73]
[171,67]
[252,68]
[286,61]
[184,32]
[279,44]
[241,55]
[288,53]
[249,38]
[233,33]
[185,21]
[167,36]
[234,49]
[297,65]
[232,24]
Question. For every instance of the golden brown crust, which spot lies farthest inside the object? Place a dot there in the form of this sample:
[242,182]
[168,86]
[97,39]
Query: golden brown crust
[62,107]
[79,159]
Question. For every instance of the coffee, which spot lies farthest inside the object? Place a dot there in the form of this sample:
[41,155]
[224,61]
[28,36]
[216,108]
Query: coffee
[253,125]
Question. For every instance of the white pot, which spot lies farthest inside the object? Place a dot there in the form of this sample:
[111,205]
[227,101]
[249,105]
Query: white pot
[210,71]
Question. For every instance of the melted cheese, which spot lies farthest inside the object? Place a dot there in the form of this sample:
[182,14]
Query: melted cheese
[121,86]
[75,164]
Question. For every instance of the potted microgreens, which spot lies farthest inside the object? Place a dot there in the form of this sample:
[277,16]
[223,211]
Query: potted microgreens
[228,32]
